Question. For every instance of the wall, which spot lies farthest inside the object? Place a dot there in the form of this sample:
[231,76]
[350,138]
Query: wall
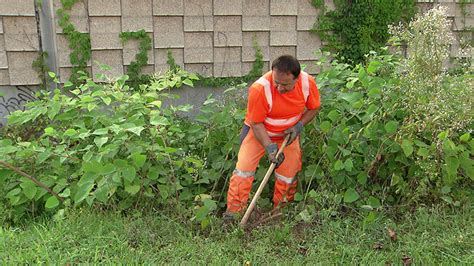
[214,38]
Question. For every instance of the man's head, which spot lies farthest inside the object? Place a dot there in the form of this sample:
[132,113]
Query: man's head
[285,72]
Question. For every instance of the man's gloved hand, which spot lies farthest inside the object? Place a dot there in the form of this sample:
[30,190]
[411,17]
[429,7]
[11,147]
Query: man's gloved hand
[272,150]
[294,132]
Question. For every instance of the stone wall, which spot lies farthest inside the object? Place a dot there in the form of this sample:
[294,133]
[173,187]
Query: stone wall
[210,37]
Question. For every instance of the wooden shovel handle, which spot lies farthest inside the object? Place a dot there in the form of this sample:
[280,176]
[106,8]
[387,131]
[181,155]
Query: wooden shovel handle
[262,185]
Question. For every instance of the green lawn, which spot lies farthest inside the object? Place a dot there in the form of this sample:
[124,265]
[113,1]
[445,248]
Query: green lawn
[427,236]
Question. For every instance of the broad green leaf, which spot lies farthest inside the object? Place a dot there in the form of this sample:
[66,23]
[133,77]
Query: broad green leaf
[452,165]
[129,173]
[298,197]
[449,148]
[362,178]
[395,180]
[83,192]
[202,213]
[325,126]
[373,67]
[99,141]
[87,156]
[68,84]
[466,165]
[157,119]
[465,137]
[55,107]
[153,173]
[348,165]
[101,131]
[374,202]
[391,127]
[407,147]
[91,106]
[351,195]
[443,135]
[339,165]
[29,189]
[91,167]
[106,169]
[13,192]
[164,191]
[106,100]
[66,193]
[448,199]
[333,115]
[43,156]
[51,202]
[170,150]
[49,131]
[188,82]
[446,189]
[156,103]
[71,132]
[138,159]
[132,189]
[424,152]
[374,93]
[351,97]
[136,130]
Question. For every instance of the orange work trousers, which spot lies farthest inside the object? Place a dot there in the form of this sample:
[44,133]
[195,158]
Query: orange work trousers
[250,153]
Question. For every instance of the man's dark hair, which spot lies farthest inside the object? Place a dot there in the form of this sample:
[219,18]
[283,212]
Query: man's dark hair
[287,63]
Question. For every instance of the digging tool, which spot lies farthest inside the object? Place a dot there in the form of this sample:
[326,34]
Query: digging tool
[262,185]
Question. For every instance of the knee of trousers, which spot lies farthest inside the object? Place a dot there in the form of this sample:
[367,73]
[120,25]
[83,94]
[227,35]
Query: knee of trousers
[239,190]
[285,188]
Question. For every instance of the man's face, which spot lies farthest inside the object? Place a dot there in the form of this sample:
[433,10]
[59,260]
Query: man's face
[283,81]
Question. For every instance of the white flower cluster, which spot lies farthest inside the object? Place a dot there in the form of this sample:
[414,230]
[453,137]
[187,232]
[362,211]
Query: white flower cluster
[434,100]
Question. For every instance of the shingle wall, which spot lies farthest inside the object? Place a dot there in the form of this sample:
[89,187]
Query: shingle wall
[211,37]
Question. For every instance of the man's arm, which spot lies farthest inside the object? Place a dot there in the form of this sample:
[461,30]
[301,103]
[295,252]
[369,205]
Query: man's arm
[308,115]
[261,133]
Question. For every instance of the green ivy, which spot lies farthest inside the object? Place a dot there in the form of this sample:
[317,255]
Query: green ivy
[355,28]
[40,66]
[79,43]
[170,61]
[141,58]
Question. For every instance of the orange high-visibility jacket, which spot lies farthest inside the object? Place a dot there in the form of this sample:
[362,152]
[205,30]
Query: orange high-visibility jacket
[279,112]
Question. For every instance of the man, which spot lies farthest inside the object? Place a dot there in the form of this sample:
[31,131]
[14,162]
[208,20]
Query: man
[281,102]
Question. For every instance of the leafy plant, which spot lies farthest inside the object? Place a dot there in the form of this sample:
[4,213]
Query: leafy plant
[354,28]
[141,58]
[79,43]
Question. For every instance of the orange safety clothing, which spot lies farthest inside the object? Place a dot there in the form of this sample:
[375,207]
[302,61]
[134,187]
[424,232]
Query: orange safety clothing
[250,153]
[277,112]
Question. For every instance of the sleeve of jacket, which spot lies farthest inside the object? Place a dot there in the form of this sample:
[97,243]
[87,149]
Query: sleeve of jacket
[313,101]
[257,106]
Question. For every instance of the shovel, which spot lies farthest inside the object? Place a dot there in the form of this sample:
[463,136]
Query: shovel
[262,185]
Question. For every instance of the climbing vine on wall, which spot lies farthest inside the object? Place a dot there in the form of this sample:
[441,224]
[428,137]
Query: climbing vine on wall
[141,58]
[39,64]
[79,43]
[355,27]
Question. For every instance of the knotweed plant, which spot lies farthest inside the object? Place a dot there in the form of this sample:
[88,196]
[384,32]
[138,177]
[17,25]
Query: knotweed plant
[434,101]
[436,104]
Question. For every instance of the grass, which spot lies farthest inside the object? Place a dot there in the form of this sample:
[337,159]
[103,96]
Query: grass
[427,236]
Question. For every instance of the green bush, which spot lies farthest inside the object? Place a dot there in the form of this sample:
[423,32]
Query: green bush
[353,28]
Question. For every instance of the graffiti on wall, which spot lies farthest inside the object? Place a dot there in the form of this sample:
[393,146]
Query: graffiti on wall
[14,98]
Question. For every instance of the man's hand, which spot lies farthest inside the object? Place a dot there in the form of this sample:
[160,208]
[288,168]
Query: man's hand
[272,150]
[294,132]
